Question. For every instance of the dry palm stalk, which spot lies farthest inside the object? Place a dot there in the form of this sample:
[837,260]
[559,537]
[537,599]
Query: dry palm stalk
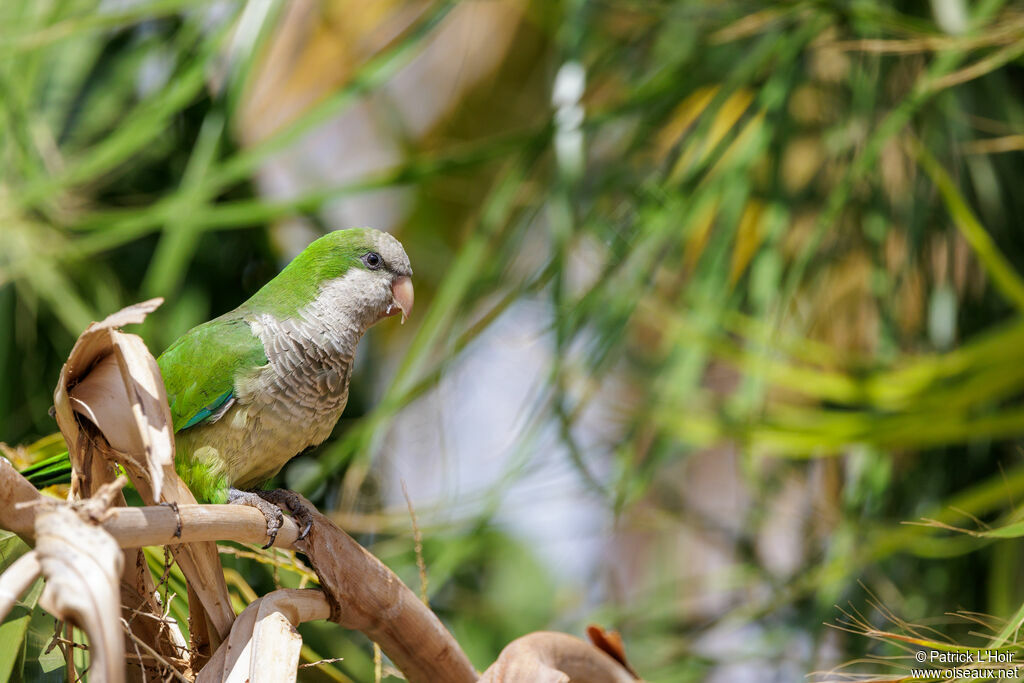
[363,593]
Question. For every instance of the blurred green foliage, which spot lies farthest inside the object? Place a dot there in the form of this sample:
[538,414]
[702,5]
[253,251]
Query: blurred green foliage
[794,236]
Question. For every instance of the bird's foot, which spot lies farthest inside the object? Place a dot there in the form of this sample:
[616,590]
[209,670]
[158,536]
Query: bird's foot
[271,512]
[300,510]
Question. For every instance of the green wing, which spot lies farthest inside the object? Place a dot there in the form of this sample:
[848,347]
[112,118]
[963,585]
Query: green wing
[200,368]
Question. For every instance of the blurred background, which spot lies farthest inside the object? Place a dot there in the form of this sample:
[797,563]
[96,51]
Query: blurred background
[711,296]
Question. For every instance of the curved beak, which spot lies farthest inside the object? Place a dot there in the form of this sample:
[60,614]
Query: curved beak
[401,290]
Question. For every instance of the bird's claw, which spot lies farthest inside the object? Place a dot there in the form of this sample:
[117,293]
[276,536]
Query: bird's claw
[300,510]
[271,512]
[304,519]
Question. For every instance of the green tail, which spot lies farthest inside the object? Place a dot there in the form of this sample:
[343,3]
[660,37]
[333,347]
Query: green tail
[51,465]
[53,470]
[54,466]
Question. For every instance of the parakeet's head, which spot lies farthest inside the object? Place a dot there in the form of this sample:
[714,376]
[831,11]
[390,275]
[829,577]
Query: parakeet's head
[362,273]
[389,282]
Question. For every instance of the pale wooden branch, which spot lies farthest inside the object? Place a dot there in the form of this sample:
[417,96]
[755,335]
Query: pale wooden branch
[17,579]
[135,527]
[19,504]
[156,525]
[137,588]
[550,657]
[365,595]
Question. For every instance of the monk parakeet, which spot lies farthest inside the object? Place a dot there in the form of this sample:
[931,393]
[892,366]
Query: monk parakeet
[253,388]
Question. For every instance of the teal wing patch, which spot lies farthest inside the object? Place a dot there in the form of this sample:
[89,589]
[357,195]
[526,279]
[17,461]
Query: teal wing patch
[211,412]
[200,368]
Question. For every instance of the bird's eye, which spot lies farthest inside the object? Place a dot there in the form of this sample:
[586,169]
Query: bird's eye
[373,260]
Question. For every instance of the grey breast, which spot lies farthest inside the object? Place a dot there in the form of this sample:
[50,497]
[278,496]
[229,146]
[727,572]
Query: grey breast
[310,370]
